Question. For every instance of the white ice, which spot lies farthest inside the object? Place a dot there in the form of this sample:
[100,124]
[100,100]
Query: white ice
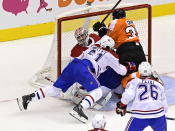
[20,59]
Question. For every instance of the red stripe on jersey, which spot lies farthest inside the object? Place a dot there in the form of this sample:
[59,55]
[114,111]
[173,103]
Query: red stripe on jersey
[148,111]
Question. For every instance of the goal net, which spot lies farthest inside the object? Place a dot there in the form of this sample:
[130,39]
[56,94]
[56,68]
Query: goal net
[64,41]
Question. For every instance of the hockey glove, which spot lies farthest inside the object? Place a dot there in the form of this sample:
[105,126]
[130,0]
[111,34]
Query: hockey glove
[121,108]
[131,67]
[98,25]
[102,31]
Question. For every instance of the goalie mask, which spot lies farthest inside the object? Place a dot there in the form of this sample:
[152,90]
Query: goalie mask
[81,36]
[145,69]
[99,121]
[107,42]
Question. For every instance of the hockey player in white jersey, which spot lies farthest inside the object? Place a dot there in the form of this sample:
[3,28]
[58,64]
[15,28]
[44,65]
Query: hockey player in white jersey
[147,100]
[109,80]
[84,70]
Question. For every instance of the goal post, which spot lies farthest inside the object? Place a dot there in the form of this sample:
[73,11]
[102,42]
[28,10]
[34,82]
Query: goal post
[139,9]
[63,42]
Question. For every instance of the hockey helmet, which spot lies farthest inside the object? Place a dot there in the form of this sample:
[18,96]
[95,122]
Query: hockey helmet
[120,13]
[107,42]
[99,121]
[81,35]
[145,69]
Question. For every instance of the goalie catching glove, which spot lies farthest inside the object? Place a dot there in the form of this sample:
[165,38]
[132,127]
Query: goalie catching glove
[121,108]
[100,28]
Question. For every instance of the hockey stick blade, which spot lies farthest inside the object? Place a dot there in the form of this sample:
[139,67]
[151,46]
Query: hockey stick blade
[168,118]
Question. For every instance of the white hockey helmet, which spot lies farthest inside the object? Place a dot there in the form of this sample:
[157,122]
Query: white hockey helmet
[107,42]
[81,35]
[99,121]
[145,69]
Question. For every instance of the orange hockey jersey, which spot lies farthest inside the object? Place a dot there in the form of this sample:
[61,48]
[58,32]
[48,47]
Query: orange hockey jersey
[122,31]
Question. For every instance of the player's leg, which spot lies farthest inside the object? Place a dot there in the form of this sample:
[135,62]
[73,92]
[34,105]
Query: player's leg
[91,85]
[61,85]
[37,95]
[135,124]
[110,79]
[158,124]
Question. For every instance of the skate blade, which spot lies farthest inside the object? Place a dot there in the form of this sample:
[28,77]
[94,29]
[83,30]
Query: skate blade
[78,117]
[19,101]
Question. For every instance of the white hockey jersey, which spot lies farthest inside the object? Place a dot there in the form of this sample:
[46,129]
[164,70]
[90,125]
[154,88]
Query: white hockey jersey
[101,59]
[146,98]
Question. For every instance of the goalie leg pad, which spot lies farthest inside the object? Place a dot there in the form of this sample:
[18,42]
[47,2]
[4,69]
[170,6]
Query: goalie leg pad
[101,103]
[77,94]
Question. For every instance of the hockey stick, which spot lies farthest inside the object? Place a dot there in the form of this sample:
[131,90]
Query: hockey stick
[168,118]
[111,10]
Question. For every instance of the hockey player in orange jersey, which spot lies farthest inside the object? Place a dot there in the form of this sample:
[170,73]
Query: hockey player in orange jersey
[126,37]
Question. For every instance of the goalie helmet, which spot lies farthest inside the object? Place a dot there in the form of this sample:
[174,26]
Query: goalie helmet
[81,35]
[117,14]
[107,42]
[145,69]
[99,121]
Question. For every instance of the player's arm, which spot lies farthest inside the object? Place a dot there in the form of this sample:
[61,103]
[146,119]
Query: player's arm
[129,92]
[118,68]
[127,96]
[121,69]
[113,62]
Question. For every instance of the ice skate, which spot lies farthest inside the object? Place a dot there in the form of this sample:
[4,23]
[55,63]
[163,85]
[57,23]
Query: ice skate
[79,114]
[24,101]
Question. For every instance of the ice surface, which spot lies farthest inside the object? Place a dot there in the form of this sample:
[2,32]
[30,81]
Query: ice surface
[20,59]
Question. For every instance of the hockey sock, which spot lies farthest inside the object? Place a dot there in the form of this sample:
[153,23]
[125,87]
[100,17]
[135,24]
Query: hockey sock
[91,98]
[47,91]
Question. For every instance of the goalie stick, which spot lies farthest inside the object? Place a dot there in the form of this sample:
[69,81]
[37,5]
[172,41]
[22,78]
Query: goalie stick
[168,118]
